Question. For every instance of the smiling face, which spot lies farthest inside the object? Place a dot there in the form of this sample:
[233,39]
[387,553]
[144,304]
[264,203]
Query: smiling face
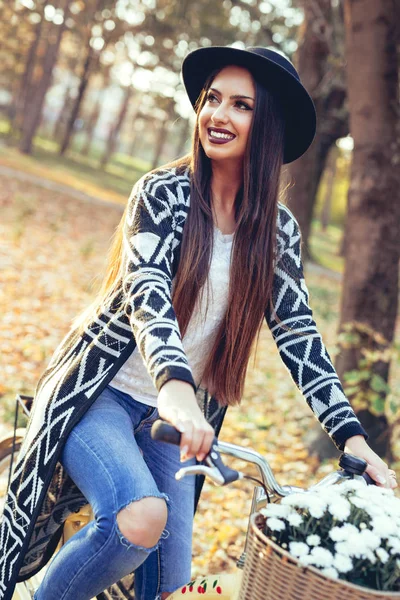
[225,119]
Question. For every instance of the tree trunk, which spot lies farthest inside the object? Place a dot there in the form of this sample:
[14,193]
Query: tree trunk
[114,131]
[320,65]
[370,287]
[311,62]
[180,148]
[91,126]
[26,80]
[137,102]
[36,101]
[162,136]
[330,181]
[90,55]
[62,117]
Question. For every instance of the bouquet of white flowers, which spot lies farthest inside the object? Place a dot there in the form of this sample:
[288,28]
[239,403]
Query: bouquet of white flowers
[347,531]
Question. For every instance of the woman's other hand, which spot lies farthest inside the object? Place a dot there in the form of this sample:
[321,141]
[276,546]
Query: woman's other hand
[177,404]
[377,468]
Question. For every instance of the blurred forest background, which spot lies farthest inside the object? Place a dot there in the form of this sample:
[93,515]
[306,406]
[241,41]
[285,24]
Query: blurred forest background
[90,99]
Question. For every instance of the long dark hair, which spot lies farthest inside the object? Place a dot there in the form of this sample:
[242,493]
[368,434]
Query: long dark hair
[253,252]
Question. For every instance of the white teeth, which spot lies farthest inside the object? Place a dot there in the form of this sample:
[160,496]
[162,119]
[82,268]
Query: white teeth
[224,136]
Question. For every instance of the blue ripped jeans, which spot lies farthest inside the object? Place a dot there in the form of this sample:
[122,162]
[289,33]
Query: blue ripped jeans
[111,457]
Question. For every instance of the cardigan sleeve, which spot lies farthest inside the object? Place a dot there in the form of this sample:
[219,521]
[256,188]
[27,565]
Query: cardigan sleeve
[148,243]
[299,343]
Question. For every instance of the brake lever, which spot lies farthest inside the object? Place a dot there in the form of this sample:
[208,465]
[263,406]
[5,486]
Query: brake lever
[212,466]
[200,469]
[212,469]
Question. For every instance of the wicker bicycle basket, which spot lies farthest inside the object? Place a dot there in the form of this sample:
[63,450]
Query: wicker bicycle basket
[271,573]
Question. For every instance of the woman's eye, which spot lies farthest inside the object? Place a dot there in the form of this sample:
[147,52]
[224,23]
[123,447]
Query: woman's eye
[243,105]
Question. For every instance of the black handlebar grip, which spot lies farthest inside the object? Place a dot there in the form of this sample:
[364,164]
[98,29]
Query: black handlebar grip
[368,479]
[165,432]
[352,464]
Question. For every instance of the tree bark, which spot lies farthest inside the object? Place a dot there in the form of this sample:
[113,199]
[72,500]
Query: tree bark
[330,182]
[311,62]
[162,136]
[90,57]
[36,101]
[370,286]
[62,117]
[26,80]
[114,131]
[180,148]
[91,126]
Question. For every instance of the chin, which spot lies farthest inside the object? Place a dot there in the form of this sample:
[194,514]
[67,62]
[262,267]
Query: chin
[219,153]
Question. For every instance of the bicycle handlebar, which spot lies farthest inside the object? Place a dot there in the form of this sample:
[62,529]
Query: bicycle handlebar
[213,466]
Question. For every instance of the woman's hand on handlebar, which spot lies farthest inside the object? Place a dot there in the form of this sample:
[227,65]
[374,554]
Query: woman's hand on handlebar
[177,404]
[377,469]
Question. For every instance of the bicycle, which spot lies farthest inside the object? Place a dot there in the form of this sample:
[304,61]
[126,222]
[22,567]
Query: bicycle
[224,586]
[228,586]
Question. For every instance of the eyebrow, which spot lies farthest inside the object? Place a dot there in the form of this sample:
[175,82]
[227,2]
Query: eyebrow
[235,96]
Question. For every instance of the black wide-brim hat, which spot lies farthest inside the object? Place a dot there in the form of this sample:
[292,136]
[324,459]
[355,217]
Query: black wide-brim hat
[272,70]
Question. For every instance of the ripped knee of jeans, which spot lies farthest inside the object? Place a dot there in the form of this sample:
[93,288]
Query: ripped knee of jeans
[141,522]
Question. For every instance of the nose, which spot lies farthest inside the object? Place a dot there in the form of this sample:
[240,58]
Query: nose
[220,114]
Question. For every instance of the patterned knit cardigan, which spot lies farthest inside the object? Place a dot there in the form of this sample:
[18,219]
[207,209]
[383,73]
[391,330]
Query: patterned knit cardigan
[41,494]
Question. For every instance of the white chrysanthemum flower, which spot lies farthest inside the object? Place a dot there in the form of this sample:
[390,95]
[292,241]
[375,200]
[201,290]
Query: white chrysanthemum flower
[369,555]
[298,549]
[275,510]
[360,502]
[293,500]
[352,485]
[306,560]
[330,572]
[317,507]
[344,548]
[312,502]
[294,519]
[394,544]
[322,557]
[336,534]
[275,524]
[354,545]
[382,555]
[371,540]
[313,540]
[342,563]
[340,508]
[340,534]
[382,526]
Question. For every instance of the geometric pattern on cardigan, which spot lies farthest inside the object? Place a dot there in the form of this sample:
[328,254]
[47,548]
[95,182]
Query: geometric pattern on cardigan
[41,495]
[300,344]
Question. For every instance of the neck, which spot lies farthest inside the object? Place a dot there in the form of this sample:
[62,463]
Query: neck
[225,183]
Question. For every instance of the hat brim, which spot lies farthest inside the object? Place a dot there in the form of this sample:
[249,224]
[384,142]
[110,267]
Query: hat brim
[297,105]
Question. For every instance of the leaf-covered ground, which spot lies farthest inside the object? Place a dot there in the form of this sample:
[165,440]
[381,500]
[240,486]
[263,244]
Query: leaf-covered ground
[52,253]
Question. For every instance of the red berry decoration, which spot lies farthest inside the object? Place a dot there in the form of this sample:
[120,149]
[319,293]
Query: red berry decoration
[191,589]
[218,589]
[184,589]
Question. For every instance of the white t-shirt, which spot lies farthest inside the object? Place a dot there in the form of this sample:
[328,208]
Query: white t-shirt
[133,378]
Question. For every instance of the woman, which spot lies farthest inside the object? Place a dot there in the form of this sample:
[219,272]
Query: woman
[209,276]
